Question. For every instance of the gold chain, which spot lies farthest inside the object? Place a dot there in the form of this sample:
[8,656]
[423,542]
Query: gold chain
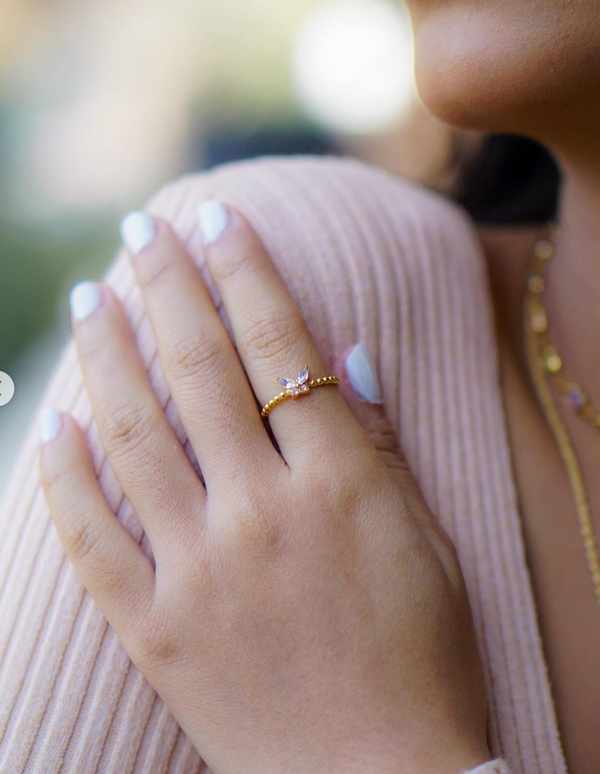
[543,359]
[287,393]
[571,393]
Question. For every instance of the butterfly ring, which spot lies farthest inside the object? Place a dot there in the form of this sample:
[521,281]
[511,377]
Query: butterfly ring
[294,388]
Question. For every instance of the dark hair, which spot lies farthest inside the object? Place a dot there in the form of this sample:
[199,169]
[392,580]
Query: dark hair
[511,180]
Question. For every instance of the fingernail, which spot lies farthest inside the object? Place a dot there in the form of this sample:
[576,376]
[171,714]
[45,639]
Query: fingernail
[84,299]
[362,375]
[50,423]
[213,217]
[137,231]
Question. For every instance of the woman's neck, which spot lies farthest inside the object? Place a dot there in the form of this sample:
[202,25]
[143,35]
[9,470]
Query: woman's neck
[572,294]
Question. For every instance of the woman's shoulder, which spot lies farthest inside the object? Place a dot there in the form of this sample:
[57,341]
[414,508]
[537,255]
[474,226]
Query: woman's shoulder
[364,252]
[340,223]
[322,198]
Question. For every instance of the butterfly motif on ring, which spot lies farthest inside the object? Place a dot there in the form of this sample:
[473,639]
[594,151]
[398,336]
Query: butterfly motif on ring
[295,387]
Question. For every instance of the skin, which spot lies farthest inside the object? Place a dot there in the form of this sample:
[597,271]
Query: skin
[532,67]
[320,623]
[231,573]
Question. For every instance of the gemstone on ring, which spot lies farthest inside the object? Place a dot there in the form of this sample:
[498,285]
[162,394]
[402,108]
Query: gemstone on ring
[295,387]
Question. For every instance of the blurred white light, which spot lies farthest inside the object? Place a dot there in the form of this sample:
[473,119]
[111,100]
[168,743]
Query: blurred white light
[353,65]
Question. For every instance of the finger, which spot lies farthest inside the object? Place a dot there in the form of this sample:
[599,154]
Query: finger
[271,336]
[110,563]
[362,391]
[207,381]
[359,384]
[360,387]
[144,452]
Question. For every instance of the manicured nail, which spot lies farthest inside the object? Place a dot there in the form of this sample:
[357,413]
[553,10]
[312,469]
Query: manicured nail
[362,374]
[214,219]
[84,299]
[50,422]
[137,231]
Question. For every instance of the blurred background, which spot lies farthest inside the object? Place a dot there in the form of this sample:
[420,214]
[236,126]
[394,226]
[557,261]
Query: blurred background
[102,102]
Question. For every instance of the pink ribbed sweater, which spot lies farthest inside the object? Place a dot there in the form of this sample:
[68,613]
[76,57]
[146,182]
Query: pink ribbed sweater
[368,257]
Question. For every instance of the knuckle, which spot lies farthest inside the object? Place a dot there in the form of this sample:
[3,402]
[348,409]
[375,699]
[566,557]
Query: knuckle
[255,525]
[155,275]
[127,428]
[384,439]
[230,263]
[269,338]
[55,481]
[341,495]
[156,644]
[94,345]
[197,355]
[352,467]
[81,540]
[395,460]
[86,545]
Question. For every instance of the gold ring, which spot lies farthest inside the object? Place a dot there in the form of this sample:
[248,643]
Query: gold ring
[294,388]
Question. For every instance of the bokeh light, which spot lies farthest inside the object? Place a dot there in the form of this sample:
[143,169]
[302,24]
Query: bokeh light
[353,65]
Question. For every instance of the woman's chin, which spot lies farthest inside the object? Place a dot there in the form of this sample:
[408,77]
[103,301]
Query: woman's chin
[455,100]
[484,97]
[474,72]
[465,104]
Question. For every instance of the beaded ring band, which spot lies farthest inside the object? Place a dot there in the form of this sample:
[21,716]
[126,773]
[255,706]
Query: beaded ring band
[294,388]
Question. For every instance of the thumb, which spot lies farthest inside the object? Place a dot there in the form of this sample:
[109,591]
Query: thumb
[361,388]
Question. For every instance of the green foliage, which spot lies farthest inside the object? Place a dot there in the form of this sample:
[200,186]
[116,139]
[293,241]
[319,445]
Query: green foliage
[35,266]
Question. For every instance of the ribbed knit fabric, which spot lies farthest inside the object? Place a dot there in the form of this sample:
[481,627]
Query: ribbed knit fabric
[368,257]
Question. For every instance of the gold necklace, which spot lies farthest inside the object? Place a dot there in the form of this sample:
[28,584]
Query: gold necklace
[573,396]
[543,360]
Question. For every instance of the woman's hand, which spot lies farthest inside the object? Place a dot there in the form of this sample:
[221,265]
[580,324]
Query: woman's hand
[305,612]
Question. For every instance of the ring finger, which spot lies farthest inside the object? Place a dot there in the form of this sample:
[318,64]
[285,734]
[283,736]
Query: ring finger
[272,337]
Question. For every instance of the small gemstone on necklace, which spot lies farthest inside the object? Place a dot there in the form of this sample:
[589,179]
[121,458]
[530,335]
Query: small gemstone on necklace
[539,321]
[543,249]
[536,284]
[552,360]
[575,396]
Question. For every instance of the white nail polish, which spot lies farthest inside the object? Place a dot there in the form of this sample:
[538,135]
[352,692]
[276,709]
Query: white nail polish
[137,231]
[362,375]
[50,423]
[213,217]
[84,299]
